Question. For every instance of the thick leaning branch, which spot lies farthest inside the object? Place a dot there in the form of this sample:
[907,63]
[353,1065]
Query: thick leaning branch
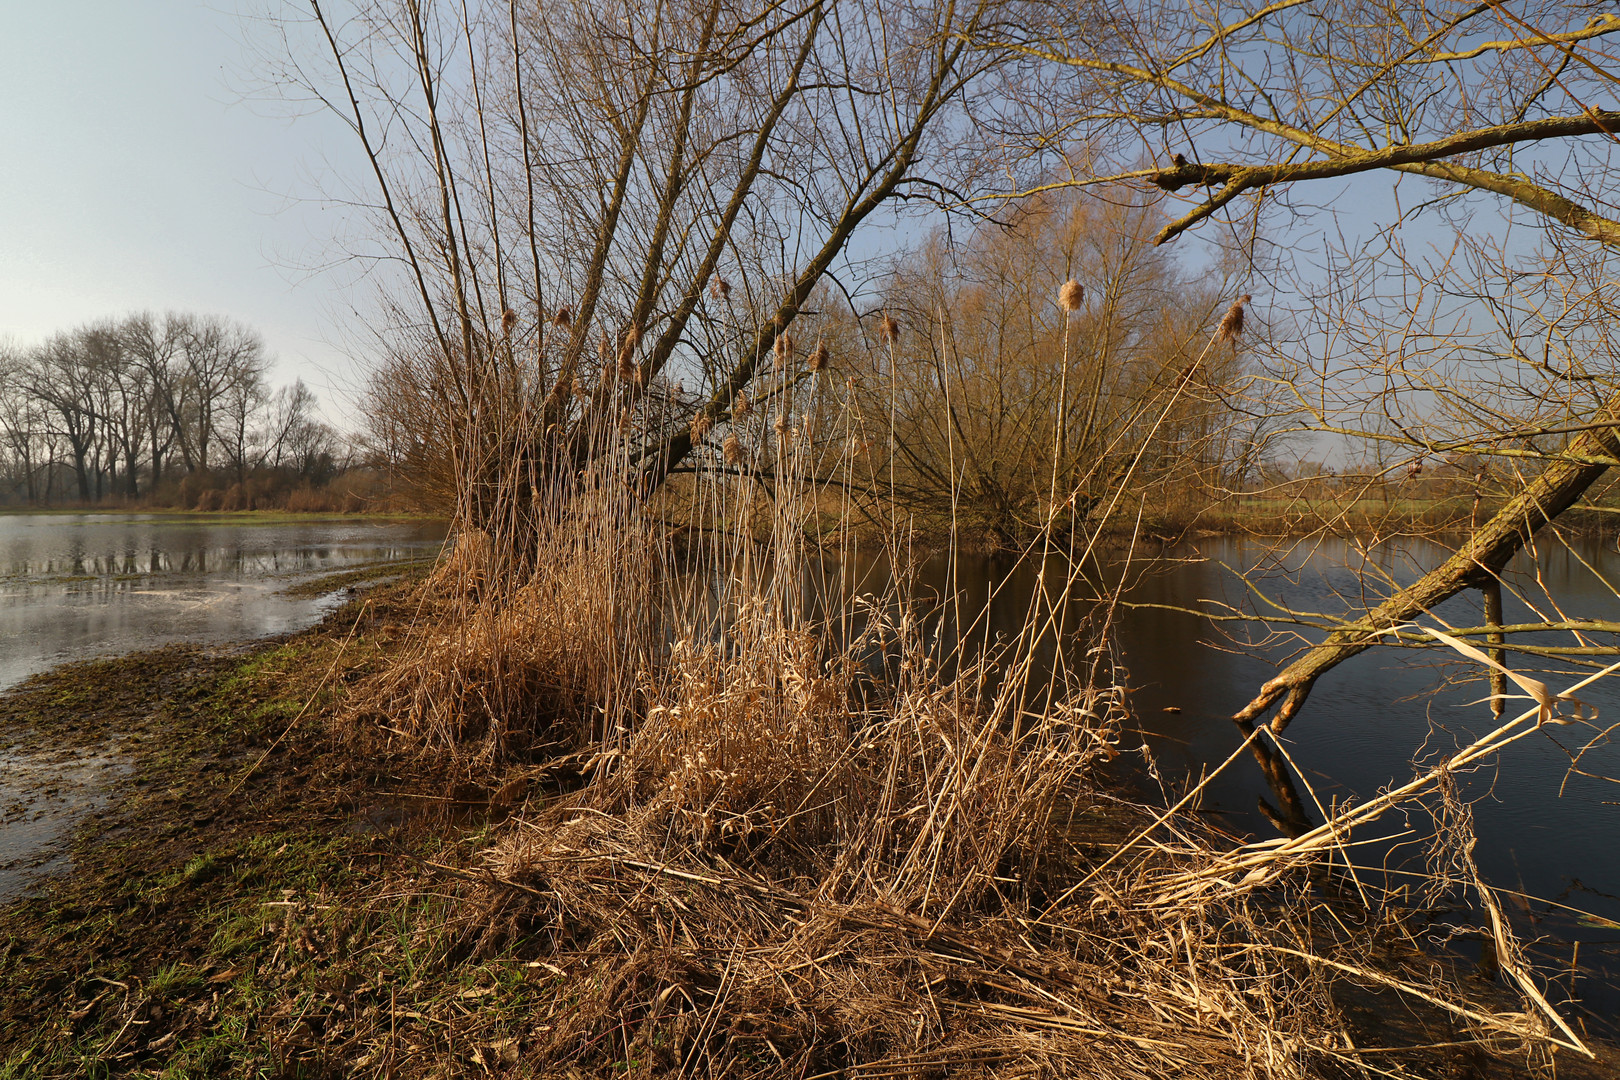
[1476,562]
[1424,158]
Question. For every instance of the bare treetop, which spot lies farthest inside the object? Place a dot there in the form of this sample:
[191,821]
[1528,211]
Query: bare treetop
[1230,100]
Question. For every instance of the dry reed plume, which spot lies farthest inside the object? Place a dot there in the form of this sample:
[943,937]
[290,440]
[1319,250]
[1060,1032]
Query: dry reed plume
[1231,324]
[1072,296]
[888,331]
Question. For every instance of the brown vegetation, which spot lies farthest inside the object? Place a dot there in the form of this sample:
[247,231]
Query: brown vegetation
[810,839]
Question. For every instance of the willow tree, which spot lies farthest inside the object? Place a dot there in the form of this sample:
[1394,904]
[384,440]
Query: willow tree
[1499,345]
[602,215]
[1002,396]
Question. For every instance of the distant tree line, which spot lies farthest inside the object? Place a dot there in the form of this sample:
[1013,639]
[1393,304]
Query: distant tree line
[171,410]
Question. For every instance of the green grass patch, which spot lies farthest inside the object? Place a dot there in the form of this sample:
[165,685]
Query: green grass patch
[242,909]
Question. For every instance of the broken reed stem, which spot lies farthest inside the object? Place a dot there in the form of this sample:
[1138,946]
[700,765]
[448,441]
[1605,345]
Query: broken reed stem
[1407,988]
[1492,591]
[1159,821]
[1257,858]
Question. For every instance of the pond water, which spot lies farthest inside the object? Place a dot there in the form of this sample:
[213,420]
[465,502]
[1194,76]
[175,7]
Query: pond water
[1544,829]
[73,586]
[1547,834]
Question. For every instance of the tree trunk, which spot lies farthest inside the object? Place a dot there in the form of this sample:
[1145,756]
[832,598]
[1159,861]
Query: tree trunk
[1475,563]
[1493,617]
[82,468]
[132,481]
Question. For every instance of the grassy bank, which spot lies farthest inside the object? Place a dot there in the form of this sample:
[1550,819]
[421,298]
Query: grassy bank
[248,904]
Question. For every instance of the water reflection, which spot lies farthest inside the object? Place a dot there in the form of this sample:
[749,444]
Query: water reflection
[1369,724]
[80,585]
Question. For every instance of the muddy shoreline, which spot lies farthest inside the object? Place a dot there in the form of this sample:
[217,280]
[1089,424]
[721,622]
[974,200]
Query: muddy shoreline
[133,954]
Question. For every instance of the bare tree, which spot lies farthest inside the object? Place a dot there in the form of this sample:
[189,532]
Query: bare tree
[293,439]
[1005,400]
[1233,107]
[22,424]
[62,378]
[587,200]
[244,398]
[217,385]
[121,396]
[154,344]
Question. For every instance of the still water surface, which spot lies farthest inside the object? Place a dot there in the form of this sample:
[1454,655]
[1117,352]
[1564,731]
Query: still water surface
[74,586]
[1544,830]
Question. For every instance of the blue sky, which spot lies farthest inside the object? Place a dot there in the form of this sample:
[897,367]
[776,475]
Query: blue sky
[135,174]
[139,171]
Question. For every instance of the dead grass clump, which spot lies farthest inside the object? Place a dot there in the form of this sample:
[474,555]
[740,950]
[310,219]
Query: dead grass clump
[927,786]
[721,960]
[730,743]
[765,880]
[501,669]
[464,568]
[478,688]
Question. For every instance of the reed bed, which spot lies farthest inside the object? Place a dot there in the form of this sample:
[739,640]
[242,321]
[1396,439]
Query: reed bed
[816,839]
[771,884]
[502,665]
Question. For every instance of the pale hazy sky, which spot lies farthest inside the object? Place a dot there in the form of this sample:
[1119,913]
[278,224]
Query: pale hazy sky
[142,167]
[134,174]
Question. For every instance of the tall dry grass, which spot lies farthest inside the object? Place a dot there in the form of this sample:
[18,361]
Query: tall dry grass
[523,652]
[816,838]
